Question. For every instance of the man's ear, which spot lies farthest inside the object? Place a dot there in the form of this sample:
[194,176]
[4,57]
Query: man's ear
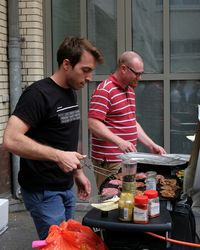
[66,64]
[123,68]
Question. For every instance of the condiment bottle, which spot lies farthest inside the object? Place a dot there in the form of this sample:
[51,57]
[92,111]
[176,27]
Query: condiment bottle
[126,206]
[154,204]
[151,180]
[140,211]
[129,169]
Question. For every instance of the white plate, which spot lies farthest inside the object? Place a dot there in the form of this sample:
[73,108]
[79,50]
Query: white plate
[104,203]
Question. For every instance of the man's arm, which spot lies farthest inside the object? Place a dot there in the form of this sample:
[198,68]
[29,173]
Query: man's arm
[83,184]
[148,142]
[15,141]
[100,130]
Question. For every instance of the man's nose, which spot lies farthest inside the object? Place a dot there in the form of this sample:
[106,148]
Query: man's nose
[88,77]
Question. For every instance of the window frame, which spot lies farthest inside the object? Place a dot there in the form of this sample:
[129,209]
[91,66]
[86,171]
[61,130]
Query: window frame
[124,42]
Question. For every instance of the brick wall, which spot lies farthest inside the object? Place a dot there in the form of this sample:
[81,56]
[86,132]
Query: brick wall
[31,32]
[5,183]
[32,57]
[4,105]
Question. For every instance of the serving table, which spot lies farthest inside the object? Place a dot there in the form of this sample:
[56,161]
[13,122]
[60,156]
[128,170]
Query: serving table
[129,234]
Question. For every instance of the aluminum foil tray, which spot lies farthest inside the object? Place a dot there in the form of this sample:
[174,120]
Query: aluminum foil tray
[153,159]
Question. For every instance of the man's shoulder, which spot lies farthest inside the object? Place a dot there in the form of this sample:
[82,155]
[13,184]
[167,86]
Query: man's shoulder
[43,86]
[107,84]
[35,85]
[39,83]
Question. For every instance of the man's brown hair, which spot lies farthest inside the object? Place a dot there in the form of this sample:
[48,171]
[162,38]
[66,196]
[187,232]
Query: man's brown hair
[72,49]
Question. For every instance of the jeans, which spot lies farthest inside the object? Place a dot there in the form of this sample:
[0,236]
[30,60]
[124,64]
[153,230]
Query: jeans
[49,208]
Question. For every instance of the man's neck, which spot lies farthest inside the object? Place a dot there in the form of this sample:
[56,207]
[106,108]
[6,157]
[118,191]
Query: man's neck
[120,81]
[59,80]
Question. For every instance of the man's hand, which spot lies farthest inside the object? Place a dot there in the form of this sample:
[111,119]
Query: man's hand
[68,161]
[148,142]
[83,184]
[156,149]
[126,146]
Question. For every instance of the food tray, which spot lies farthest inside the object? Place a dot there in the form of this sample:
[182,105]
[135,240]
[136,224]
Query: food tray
[165,162]
[106,184]
[159,189]
[176,197]
[178,192]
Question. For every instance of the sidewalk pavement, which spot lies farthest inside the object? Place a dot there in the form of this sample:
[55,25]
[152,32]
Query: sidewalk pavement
[21,230]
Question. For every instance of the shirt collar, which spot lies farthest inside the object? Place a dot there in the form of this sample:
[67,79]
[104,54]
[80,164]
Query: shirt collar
[116,82]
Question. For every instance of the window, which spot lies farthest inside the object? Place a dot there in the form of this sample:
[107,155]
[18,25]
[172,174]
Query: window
[167,90]
[166,35]
[147,33]
[185,36]
[102,30]
[65,22]
[149,109]
[184,96]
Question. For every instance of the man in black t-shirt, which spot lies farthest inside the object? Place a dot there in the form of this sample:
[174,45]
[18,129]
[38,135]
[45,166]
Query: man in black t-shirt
[43,131]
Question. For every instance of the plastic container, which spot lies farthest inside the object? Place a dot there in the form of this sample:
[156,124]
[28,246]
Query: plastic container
[151,181]
[126,205]
[140,211]
[129,169]
[154,204]
[4,214]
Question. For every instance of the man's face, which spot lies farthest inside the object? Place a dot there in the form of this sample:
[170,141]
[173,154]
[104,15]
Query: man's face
[81,74]
[134,73]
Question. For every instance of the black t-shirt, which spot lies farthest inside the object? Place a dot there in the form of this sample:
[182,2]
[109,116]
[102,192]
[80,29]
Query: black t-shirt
[53,114]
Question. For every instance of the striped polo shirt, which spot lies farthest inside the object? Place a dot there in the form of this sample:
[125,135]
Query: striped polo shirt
[115,107]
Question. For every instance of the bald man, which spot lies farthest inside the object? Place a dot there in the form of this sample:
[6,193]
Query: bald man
[112,116]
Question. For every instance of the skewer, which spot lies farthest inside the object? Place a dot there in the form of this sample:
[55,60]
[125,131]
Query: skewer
[87,163]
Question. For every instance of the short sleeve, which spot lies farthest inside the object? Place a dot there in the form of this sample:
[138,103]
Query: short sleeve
[31,107]
[99,104]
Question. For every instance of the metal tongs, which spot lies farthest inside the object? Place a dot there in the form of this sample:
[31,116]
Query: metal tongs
[88,164]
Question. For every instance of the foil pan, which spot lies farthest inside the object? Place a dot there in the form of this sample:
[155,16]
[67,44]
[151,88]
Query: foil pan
[154,159]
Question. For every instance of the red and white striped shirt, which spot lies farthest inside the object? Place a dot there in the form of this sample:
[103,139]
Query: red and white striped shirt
[115,107]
